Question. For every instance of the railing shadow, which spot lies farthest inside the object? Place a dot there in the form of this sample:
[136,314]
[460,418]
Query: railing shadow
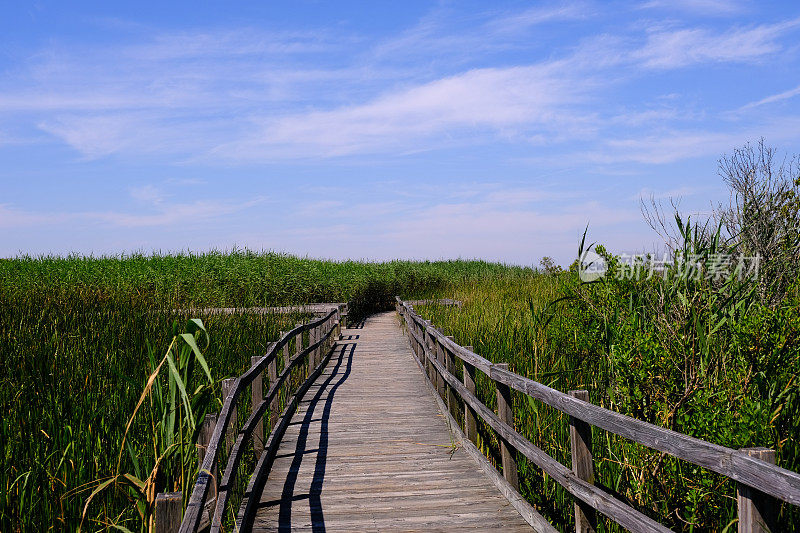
[318,410]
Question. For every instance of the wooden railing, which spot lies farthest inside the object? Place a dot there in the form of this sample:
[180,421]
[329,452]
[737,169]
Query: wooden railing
[203,511]
[759,479]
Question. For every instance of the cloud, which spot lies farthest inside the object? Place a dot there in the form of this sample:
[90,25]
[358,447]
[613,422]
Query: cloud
[702,7]
[245,95]
[229,44]
[677,193]
[148,194]
[458,39]
[505,101]
[675,145]
[791,93]
[666,148]
[163,215]
[535,16]
[517,223]
[95,135]
[666,49]
[494,230]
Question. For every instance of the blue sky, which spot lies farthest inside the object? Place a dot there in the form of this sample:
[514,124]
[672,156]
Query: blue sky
[379,129]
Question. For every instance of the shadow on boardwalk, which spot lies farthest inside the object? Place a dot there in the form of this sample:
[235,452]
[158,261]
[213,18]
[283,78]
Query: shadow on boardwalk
[319,404]
[368,451]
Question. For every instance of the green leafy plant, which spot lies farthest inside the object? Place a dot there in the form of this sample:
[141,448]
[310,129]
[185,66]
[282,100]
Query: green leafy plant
[176,398]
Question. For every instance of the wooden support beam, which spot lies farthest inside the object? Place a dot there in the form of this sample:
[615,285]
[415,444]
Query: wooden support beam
[299,346]
[450,365]
[505,412]
[233,426]
[580,436]
[204,437]
[257,394]
[757,511]
[312,357]
[429,347]
[167,513]
[272,375]
[470,422]
[441,385]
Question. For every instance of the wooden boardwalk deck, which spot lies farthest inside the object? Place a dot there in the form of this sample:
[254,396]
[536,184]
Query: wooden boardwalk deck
[368,450]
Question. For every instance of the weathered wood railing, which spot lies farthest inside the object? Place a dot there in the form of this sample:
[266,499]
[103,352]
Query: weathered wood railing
[322,333]
[758,478]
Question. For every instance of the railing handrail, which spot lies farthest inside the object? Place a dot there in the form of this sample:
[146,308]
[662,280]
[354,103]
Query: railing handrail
[768,478]
[194,509]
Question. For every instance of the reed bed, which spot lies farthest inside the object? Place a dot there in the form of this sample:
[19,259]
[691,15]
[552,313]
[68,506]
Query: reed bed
[706,360]
[80,336]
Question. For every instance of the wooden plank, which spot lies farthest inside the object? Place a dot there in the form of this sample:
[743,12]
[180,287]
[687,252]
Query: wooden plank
[247,509]
[735,464]
[470,422]
[272,374]
[505,412]
[580,437]
[195,507]
[167,513]
[257,393]
[232,427]
[389,463]
[203,440]
[528,513]
[757,511]
[450,365]
[618,511]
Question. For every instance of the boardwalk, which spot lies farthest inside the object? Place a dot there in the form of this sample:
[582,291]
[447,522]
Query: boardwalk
[369,451]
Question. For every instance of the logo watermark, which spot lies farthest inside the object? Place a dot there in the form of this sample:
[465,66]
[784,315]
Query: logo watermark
[714,267]
[591,267]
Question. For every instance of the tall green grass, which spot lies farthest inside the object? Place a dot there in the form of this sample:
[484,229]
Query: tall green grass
[705,359]
[78,337]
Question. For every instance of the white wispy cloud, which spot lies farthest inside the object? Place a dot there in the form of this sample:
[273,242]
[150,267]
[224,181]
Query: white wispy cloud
[677,144]
[149,193]
[703,7]
[506,101]
[163,214]
[244,95]
[785,95]
[674,48]
[534,16]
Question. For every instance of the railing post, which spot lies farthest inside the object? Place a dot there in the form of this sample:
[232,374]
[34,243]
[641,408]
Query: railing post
[257,394]
[441,384]
[329,326]
[412,328]
[312,357]
[433,348]
[757,511]
[299,341]
[426,339]
[505,412]
[426,351]
[230,436]
[450,365]
[167,513]
[580,437]
[203,438]
[470,422]
[272,374]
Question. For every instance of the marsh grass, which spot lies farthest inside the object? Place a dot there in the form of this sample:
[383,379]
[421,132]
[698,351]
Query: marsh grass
[76,339]
[705,359]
